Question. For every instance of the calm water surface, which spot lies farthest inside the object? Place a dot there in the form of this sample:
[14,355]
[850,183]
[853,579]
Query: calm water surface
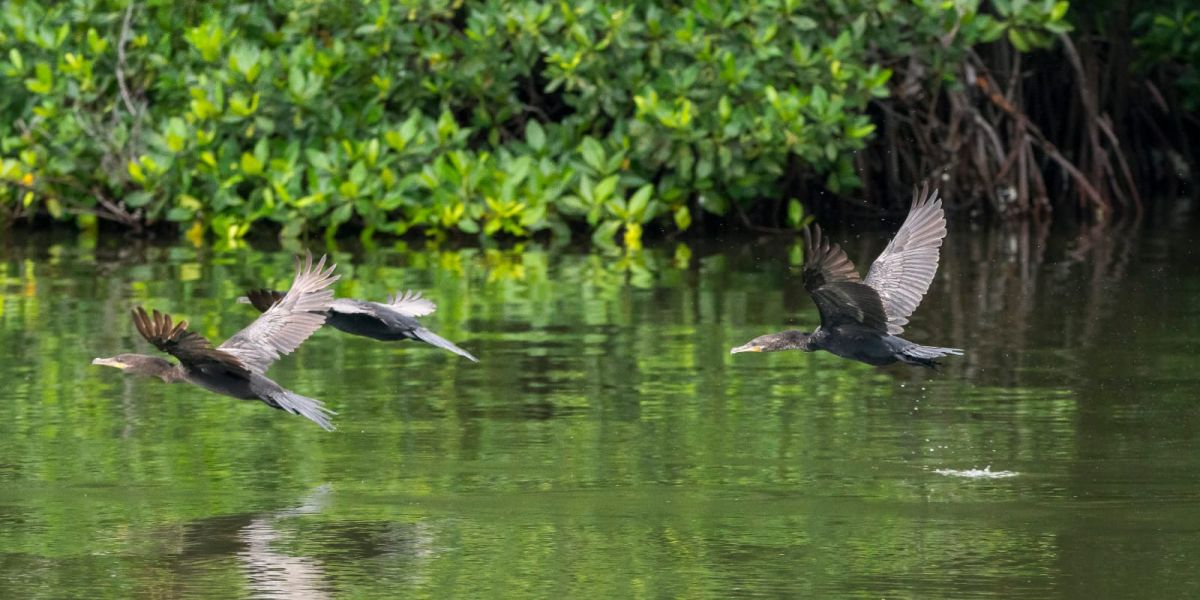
[607,444]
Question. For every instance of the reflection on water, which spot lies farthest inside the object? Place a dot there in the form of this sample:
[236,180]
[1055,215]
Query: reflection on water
[274,574]
[607,445]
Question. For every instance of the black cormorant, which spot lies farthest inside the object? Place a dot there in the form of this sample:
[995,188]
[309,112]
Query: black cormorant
[860,319]
[236,368]
[394,320]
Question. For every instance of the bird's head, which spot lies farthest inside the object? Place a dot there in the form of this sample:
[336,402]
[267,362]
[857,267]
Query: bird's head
[137,364]
[774,342]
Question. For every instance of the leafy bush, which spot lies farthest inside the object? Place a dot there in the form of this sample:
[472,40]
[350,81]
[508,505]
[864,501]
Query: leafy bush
[1170,37]
[493,117]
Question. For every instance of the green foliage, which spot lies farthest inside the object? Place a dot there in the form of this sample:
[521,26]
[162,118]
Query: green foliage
[485,117]
[1170,35]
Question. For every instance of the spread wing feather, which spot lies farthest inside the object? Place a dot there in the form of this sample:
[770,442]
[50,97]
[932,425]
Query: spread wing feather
[288,322]
[825,262]
[835,286]
[411,304]
[192,349]
[904,270]
[849,302]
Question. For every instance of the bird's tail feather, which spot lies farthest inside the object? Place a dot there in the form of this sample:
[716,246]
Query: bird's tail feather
[434,339]
[309,408]
[931,351]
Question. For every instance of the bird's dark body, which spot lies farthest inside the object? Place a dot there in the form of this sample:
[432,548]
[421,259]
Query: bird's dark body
[378,326]
[240,385]
[856,342]
[224,381]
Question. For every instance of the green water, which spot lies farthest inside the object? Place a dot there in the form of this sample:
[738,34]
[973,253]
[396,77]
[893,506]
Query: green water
[607,445]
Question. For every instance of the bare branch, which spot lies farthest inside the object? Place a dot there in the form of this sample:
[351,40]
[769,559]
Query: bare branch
[121,62]
[118,212]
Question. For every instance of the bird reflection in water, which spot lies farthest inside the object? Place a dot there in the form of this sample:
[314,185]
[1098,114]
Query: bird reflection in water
[273,574]
[271,550]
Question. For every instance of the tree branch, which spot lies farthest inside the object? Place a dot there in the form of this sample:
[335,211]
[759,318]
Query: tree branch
[121,62]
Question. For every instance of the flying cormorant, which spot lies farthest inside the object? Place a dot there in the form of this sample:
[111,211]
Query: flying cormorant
[394,320]
[861,319]
[236,368]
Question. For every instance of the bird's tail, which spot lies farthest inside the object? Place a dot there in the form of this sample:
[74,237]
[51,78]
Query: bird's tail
[434,339]
[924,355]
[309,408]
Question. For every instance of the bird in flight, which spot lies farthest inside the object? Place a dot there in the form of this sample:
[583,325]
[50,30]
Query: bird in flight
[862,319]
[237,367]
[393,320]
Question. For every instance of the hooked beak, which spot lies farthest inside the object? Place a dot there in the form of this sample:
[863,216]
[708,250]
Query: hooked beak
[109,362]
[749,347]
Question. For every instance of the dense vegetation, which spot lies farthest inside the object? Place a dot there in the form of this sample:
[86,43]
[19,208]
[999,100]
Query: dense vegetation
[523,117]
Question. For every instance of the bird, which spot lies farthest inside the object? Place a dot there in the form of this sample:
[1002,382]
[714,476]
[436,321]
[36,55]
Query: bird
[237,367]
[862,319]
[388,321]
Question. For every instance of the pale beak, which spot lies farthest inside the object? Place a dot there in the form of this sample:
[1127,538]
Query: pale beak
[243,300]
[751,347]
[109,362]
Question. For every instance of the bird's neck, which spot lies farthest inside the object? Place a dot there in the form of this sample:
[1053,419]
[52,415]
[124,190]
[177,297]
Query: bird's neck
[166,371]
[795,340]
[813,341]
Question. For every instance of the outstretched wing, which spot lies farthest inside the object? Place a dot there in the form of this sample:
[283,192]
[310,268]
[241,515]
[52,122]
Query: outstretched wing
[411,304]
[192,349]
[839,294]
[288,322]
[824,262]
[904,270]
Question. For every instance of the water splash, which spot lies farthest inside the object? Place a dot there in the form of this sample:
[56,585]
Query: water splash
[984,473]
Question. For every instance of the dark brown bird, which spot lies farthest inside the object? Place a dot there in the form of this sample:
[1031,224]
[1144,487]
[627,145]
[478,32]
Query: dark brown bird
[860,319]
[236,368]
[394,320]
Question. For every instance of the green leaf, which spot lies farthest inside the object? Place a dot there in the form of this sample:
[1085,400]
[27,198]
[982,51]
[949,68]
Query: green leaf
[251,165]
[683,218]
[639,201]
[535,136]
[724,108]
[604,190]
[176,135]
[593,153]
[1059,10]
[358,174]
[136,172]
[44,82]
[468,225]
[603,236]
[803,23]
[860,131]
[795,214]
[318,159]
[713,204]
[178,214]
[137,199]
[341,214]
[1018,40]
